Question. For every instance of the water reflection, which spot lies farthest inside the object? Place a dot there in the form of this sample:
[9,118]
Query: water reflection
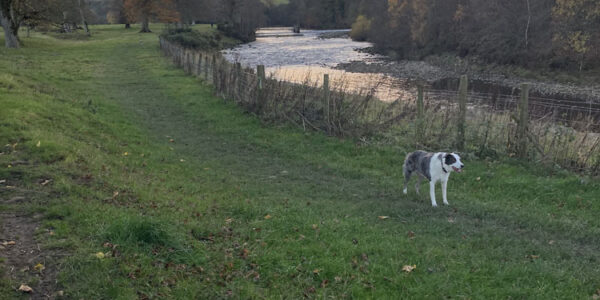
[308,57]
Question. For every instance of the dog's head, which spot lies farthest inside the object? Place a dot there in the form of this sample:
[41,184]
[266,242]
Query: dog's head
[452,162]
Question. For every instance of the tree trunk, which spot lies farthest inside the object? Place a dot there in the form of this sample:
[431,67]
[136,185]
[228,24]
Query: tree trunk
[145,24]
[85,24]
[11,30]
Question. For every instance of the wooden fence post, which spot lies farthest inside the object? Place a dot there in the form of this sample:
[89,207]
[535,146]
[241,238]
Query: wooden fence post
[462,112]
[420,130]
[206,64]
[198,64]
[238,81]
[326,102]
[260,72]
[523,121]
[214,70]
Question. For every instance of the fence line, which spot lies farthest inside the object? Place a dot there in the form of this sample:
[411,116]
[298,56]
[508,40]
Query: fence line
[555,132]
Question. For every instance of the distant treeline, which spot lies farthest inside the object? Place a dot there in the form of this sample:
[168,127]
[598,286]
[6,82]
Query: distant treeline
[561,34]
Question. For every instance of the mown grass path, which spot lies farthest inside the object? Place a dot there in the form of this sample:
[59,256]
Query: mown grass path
[205,201]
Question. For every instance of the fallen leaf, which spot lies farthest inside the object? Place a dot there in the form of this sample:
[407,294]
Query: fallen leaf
[229,220]
[533,256]
[171,141]
[451,220]
[115,194]
[39,143]
[383,217]
[324,283]
[316,271]
[478,178]
[245,253]
[99,255]
[125,153]
[267,217]
[182,160]
[60,293]
[315,226]
[338,279]
[39,267]
[551,242]
[408,268]
[411,235]
[9,243]
[25,288]
[45,182]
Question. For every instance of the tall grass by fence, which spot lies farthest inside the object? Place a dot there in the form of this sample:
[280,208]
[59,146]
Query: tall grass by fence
[550,131]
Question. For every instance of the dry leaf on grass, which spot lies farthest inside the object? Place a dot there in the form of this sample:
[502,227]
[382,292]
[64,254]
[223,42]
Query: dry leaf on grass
[39,267]
[267,217]
[99,255]
[9,243]
[383,217]
[408,268]
[25,288]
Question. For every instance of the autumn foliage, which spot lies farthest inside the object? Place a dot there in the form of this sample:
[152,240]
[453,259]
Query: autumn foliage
[144,11]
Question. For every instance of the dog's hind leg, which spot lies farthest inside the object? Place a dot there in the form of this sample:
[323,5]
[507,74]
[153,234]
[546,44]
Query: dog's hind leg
[407,175]
[418,184]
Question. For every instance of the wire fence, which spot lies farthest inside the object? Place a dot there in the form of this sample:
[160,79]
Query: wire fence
[564,133]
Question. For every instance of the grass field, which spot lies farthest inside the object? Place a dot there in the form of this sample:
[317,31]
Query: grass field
[189,197]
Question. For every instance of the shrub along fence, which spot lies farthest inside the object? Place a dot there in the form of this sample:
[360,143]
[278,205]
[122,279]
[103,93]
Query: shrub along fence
[547,130]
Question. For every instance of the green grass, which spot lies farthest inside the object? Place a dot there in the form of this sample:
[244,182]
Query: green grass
[189,197]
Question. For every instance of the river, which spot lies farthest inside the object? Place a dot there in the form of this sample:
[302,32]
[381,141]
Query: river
[307,57]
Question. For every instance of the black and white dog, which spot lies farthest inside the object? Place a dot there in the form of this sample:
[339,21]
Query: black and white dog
[433,166]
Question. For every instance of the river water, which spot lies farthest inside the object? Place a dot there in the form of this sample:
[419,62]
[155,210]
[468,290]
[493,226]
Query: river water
[306,58]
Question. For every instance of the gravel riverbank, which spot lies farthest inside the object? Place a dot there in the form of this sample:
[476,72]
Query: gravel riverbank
[432,72]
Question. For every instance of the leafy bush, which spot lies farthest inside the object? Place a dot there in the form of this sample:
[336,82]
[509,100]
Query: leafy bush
[360,28]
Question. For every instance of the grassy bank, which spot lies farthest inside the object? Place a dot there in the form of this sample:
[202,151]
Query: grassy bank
[188,197]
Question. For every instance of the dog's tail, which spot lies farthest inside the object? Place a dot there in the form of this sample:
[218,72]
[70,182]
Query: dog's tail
[407,170]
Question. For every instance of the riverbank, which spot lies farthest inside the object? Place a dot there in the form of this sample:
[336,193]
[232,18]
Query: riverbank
[436,69]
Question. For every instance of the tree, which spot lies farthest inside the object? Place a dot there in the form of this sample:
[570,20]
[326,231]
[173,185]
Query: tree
[82,14]
[241,18]
[116,14]
[145,10]
[577,29]
[12,13]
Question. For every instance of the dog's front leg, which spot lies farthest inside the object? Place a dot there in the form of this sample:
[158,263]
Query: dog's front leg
[432,193]
[444,186]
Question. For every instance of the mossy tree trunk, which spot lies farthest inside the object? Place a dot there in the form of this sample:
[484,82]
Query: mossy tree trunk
[10,25]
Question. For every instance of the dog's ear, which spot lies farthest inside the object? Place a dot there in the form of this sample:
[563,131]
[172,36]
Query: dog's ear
[449,159]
